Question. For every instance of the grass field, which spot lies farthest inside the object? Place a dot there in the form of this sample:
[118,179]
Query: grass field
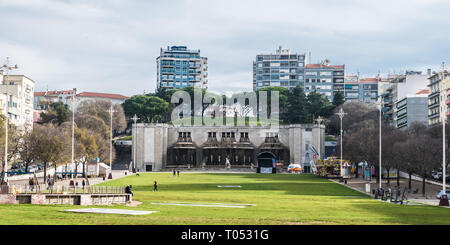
[279,199]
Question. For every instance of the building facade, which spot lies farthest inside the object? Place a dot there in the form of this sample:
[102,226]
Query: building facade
[19,92]
[286,69]
[410,109]
[41,99]
[282,69]
[179,67]
[325,79]
[438,97]
[361,90]
[163,146]
[395,88]
[94,96]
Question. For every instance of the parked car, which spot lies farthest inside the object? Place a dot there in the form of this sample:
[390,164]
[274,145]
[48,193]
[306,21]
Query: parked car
[438,195]
[32,169]
[295,168]
[436,175]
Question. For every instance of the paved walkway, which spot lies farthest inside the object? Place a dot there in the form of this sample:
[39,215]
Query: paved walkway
[430,189]
[93,181]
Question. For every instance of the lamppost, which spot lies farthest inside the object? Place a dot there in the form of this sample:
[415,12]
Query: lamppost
[74,92]
[341,115]
[6,139]
[135,118]
[379,173]
[444,199]
[8,68]
[319,120]
[111,111]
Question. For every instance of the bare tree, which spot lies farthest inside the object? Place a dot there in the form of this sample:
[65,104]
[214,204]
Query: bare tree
[13,145]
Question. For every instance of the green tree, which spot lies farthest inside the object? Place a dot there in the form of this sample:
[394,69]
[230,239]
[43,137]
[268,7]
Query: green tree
[297,111]
[56,113]
[319,105]
[149,108]
[338,98]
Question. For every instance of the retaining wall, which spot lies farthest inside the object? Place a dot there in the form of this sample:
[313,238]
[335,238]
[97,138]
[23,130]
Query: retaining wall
[68,199]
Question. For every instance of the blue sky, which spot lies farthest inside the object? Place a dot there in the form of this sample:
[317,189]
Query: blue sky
[111,45]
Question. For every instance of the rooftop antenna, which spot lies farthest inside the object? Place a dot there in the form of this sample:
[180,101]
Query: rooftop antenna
[443,66]
[309,60]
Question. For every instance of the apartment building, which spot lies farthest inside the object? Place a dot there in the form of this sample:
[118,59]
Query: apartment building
[178,67]
[19,92]
[324,78]
[43,98]
[396,87]
[438,99]
[361,90]
[412,108]
[287,69]
[282,69]
[65,96]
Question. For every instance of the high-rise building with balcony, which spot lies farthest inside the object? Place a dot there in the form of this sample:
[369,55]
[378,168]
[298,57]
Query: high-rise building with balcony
[282,69]
[324,78]
[396,87]
[286,69]
[361,90]
[178,67]
[438,99]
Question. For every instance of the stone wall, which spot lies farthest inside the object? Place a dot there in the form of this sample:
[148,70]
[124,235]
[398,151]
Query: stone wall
[8,199]
[67,199]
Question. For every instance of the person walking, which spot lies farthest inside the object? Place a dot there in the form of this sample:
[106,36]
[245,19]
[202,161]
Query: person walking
[83,184]
[155,186]
[178,173]
[174,172]
[30,182]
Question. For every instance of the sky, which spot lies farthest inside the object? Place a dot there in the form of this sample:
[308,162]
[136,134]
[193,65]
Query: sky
[111,46]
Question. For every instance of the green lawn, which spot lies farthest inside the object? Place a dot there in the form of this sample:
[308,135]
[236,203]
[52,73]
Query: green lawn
[279,199]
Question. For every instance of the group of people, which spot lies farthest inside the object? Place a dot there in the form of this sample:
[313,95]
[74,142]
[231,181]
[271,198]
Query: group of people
[177,172]
[73,184]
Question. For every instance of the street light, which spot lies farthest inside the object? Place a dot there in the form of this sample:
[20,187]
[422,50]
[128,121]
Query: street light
[111,111]
[319,120]
[8,68]
[135,118]
[379,173]
[341,115]
[73,127]
[6,139]
[444,199]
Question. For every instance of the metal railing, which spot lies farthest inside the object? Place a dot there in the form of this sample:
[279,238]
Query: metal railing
[60,189]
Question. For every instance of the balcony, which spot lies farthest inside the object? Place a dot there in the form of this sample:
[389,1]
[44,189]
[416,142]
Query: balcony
[431,116]
[435,104]
[433,94]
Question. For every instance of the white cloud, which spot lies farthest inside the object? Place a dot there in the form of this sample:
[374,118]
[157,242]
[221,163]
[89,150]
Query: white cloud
[112,45]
